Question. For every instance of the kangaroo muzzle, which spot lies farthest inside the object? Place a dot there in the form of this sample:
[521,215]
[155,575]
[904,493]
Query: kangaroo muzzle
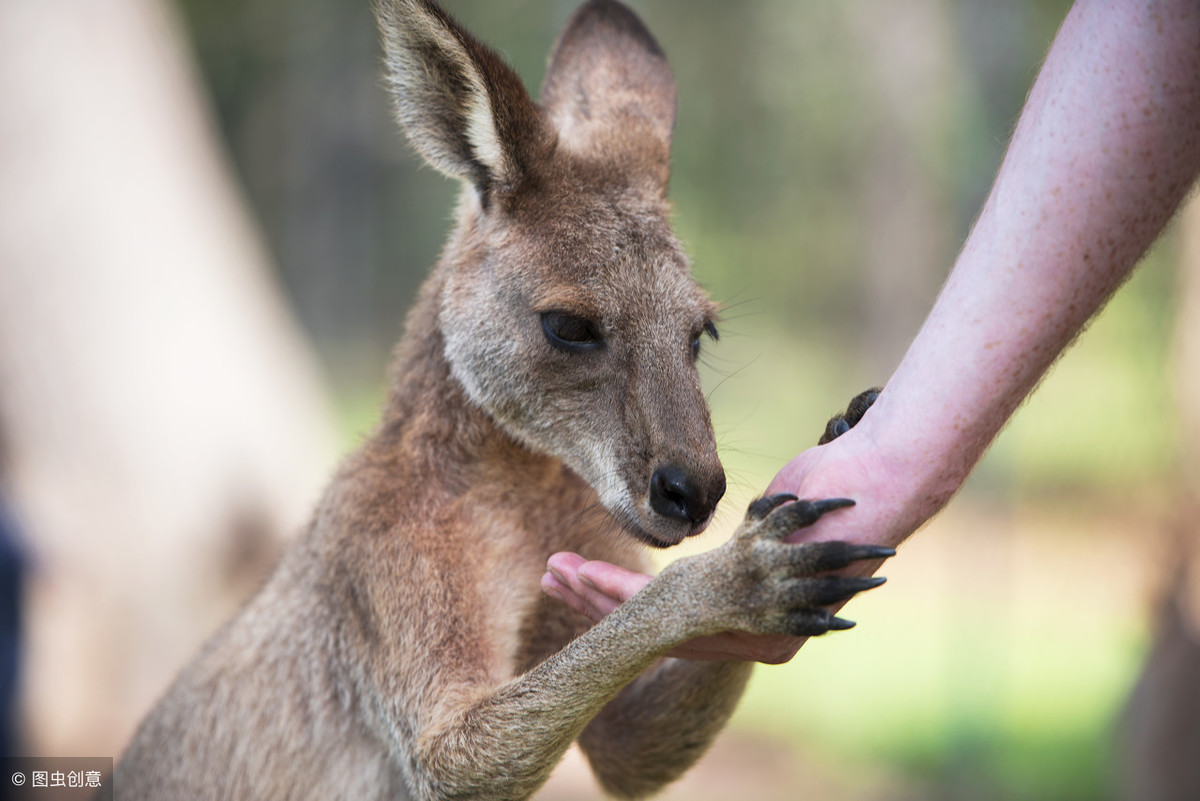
[686,496]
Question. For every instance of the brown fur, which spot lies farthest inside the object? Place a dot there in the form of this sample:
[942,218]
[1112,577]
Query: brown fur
[403,648]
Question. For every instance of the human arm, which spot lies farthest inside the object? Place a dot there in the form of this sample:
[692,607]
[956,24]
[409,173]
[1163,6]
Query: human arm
[1105,150]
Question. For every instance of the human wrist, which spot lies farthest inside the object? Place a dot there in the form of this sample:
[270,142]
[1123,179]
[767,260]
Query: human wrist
[914,463]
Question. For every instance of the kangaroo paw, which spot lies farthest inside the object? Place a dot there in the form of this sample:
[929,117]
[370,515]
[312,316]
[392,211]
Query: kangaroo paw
[791,581]
[841,423]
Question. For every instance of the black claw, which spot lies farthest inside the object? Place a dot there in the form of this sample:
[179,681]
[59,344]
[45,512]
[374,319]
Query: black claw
[829,504]
[761,507]
[834,429]
[860,404]
[841,423]
[856,552]
[833,589]
[813,623]
[809,622]
[802,514]
[835,555]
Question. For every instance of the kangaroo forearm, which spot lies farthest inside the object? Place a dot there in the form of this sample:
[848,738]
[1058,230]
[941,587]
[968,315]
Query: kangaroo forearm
[657,727]
[507,743]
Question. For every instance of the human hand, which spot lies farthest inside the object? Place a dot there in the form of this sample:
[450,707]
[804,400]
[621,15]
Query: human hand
[887,510]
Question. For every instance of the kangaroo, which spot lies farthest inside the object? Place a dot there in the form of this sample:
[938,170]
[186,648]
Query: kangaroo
[544,397]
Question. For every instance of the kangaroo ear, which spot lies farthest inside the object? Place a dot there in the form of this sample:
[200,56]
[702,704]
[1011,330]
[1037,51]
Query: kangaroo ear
[462,107]
[610,92]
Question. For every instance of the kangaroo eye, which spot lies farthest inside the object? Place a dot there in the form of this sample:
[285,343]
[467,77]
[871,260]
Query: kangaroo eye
[570,333]
[709,329]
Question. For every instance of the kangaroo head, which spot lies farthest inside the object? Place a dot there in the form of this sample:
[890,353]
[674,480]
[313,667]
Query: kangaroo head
[568,310]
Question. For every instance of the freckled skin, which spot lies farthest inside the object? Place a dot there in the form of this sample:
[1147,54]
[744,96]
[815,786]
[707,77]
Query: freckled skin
[1116,81]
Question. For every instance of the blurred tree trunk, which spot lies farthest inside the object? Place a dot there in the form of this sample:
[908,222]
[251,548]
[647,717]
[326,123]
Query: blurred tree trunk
[162,425]
[1161,736]
[906,221]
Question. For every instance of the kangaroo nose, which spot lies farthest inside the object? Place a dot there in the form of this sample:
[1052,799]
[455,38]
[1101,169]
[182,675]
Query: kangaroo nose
[679,496]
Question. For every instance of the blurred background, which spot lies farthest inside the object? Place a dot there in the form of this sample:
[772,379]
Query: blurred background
[210,230]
